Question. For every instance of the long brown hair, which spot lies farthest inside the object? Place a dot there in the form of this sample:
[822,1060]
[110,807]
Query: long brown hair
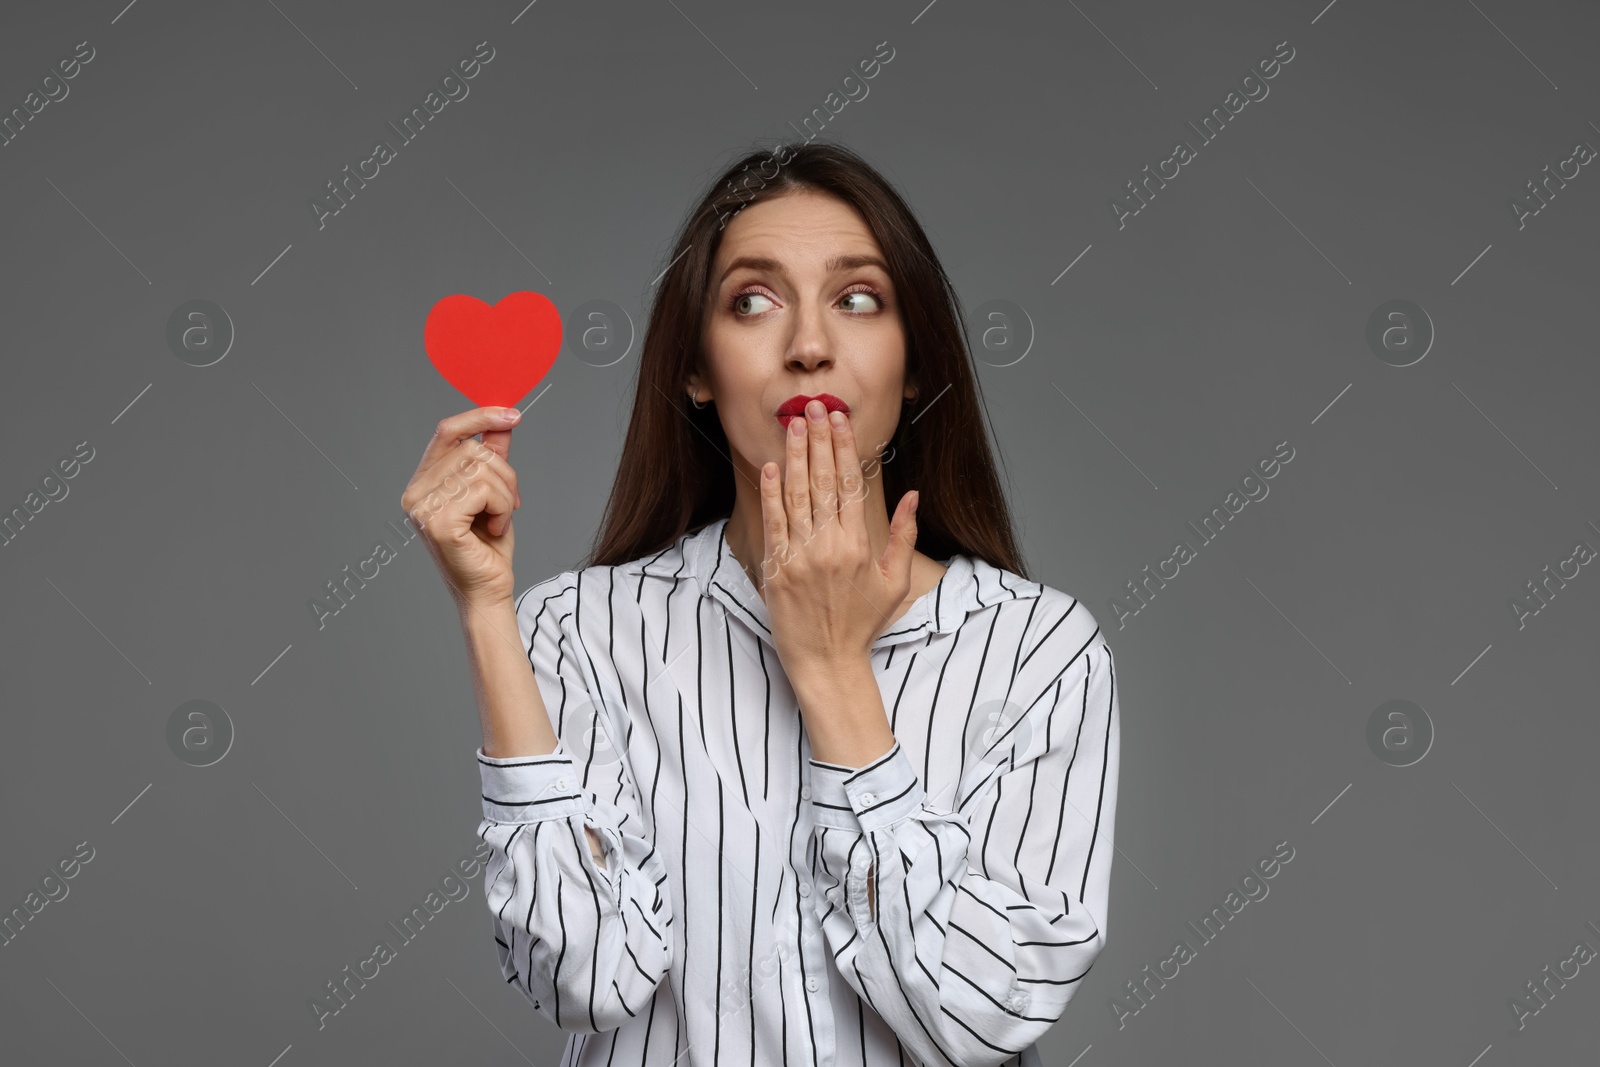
[675,474]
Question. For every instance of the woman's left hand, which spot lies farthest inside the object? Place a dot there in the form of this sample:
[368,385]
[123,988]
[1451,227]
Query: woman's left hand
[827,597]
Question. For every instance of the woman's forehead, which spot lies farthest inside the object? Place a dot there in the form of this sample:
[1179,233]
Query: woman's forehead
[797,227]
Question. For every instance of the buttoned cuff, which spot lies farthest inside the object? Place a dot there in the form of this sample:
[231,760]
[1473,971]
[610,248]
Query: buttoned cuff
[529,789]
[867,798]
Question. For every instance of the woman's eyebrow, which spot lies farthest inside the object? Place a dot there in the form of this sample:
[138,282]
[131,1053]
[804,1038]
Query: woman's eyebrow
[837,263]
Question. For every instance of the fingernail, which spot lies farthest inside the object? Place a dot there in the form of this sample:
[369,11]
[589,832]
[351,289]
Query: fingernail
[837,418]
[815,410]
[510,414]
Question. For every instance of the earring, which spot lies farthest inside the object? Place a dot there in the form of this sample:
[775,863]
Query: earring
[695,400]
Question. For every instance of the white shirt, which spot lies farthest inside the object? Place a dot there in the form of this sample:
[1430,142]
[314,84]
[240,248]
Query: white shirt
[729,922]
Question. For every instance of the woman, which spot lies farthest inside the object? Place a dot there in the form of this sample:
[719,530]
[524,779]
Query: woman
[789,781]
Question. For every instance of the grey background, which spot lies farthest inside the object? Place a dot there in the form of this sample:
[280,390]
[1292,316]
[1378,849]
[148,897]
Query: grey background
[1226,317]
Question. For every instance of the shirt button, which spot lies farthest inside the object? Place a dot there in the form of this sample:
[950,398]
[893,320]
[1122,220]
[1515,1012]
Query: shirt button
[561,783]
[805,889]
[867,799]
[805,792]
[812,984]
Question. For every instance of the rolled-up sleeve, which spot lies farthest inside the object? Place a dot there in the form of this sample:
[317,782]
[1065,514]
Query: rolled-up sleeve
[968,926]
[587,941]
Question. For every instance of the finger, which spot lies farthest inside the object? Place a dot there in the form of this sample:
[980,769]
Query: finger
[796,479]
[482,501]
[457,428]
[485,458]
[464,461]
[774,523]
[499,442]
[897,555]
[496,500]
[824,481]
[490,502]
[852,482]
[457,475]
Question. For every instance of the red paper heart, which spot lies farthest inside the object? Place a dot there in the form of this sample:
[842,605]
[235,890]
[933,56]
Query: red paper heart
[495,354]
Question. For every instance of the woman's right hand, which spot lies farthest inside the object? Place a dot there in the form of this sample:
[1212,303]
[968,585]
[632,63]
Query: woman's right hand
[461,499]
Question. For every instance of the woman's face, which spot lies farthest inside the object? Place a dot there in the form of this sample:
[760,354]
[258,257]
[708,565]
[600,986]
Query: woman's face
[800,302]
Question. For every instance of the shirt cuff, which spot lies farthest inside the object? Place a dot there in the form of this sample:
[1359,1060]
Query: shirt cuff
[529,789]
[865,798]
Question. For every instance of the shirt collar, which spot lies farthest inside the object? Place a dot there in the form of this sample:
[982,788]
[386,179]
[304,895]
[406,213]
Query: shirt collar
[969,584]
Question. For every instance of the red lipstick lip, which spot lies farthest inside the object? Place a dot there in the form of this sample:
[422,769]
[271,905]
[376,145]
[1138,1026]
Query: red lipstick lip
[796,405]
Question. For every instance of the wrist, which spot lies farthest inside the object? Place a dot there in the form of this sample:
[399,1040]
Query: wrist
[828,679]
[476,609]
[843,712]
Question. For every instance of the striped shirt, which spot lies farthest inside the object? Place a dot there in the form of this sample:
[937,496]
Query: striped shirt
[729,921]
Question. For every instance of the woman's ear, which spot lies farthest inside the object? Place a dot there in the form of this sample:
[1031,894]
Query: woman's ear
[698,392]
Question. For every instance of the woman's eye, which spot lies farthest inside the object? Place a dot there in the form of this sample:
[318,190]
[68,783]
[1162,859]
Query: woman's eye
[863,293]
[741,303]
